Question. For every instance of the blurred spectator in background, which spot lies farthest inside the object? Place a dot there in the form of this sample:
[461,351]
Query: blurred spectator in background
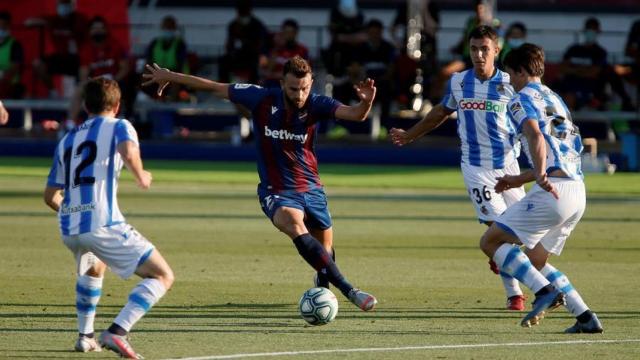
[406,66]
[11,61]
[585,72]
[346,26]
[377,57]
[247,46]
[67,30]
[631,72]
[285,46]
[169,50]
[515,36]
[483,15]
[102,56]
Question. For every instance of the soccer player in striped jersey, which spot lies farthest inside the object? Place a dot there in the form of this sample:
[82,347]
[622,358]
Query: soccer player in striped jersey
[545,217]
[290,192]
[82,187]
[487,138]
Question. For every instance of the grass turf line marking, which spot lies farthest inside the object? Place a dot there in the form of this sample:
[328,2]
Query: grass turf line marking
[405,348]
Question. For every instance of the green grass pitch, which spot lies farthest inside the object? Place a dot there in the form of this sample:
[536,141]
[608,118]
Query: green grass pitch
[407,234]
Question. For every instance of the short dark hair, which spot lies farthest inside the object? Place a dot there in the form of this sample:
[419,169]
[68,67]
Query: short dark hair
[290,23]
[97,19]
[375,23]
[483,31]
[169,21]
[517,25]
[101,94]
[6,16]
[297,66]
[528,58]
[592,23]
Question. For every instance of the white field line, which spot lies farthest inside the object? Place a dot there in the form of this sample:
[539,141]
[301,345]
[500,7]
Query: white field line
[405,348]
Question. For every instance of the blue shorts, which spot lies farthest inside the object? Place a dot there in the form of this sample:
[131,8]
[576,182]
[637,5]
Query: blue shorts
[313,203]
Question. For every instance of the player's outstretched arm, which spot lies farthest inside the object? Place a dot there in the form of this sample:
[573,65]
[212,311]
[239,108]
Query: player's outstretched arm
[538,151]
[366,91]
[163,77]
[53,197]
[432,120]
[130,153]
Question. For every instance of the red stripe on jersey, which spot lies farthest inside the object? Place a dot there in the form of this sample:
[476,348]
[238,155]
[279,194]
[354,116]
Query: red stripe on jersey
[308,154]
[290,150]
[270,162]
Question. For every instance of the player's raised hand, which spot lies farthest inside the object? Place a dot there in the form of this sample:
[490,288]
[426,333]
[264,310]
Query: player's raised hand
[4,115]
[400,137]
[156,75]
[543,181]
[366,90]
[144,182]
[507,182]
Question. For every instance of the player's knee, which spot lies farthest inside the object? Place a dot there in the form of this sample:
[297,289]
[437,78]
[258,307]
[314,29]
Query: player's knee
[486,243]
[289,226]
[166,278]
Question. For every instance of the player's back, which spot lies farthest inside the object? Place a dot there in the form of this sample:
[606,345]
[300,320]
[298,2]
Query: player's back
[87,165]
[561,135]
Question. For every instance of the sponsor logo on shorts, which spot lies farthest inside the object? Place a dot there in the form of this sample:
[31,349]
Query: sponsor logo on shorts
[482,105]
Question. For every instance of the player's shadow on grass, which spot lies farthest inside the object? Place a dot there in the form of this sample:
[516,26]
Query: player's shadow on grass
[43,354]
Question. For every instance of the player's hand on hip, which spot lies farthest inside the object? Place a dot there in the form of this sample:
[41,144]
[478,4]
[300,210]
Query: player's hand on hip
[156,75]
[543,181]
[144,182]
[506,182]
[366,90]
[399,137]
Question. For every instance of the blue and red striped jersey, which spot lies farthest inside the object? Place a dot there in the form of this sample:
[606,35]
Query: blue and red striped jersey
[285,138]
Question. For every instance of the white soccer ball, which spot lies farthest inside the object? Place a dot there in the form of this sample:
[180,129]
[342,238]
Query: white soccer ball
[318,306]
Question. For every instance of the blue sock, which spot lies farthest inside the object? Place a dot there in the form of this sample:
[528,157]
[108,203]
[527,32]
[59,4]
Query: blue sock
[315,255]
[323,281]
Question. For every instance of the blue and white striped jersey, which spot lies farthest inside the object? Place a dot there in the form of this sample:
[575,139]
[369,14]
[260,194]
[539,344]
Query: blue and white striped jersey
[564,144]
[487,138]
[87,165]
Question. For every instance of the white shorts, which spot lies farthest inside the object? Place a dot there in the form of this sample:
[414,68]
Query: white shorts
[480,183]
[119,246]
[539,217]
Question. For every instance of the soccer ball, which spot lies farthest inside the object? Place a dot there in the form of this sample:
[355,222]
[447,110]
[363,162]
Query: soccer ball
[318,306]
